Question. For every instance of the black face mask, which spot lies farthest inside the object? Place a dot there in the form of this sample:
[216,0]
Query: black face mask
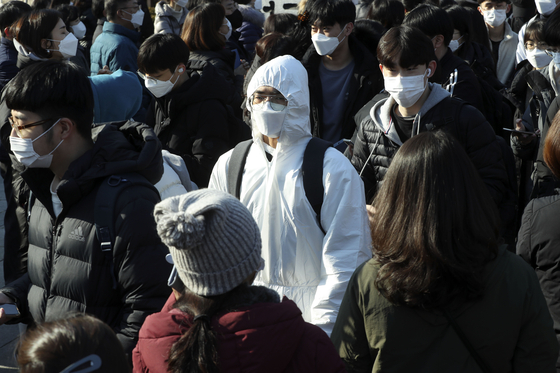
[236,19]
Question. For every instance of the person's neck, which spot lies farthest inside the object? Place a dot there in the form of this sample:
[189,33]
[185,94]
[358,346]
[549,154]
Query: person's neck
[496,33]
[270,141]
[414,109]
[73,150]
[123,23]
[440,52]
[339,59]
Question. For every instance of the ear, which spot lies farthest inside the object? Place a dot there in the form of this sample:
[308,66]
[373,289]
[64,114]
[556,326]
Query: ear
[67,128]
[45,44]
[349,28]
[508,8]
[7,32]
[438,41]
[181,68]
[480,10]
[432,66]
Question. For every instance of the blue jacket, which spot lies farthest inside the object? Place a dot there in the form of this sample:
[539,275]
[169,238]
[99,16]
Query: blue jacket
[115,47]
[8,59]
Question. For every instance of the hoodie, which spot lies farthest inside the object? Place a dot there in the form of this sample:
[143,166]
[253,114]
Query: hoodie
[168,20]
[309,266]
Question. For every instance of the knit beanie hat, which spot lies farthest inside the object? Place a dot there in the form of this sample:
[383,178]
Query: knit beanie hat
[213,239]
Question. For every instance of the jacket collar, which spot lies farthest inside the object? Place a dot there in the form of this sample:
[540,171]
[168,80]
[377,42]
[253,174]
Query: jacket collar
[121,30]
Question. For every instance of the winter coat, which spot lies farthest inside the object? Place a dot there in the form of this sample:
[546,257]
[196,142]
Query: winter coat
[301,262]
[506,63]
[116,47]
[67,271]
[537,244]
[117,96]
[367,82]
[510,327]
[8,59]
[263,335]
[378,142]
[192,121]
[474,53]
[251,29]
[459,80]
[224,61]
[168,20]
[98,29]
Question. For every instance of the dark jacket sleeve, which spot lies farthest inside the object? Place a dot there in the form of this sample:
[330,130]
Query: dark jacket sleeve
[139,258]
[349,334]
[362,151]
[18,290]
[484,151]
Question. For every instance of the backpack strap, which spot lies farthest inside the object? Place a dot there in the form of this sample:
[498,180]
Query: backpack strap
[104,211]
[236,166]
[312,171]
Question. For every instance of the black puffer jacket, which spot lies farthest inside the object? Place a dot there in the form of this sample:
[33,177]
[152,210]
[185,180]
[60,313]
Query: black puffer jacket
[67,271]
[224,61]
[537,244]
[378,142]
[367,82]
[192,121]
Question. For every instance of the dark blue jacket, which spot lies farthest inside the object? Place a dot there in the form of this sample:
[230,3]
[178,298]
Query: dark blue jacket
[8,60]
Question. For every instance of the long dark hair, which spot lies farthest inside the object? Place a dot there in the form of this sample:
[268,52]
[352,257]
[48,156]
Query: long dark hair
[196,351]
[436,225]
[201,28]
[35,26]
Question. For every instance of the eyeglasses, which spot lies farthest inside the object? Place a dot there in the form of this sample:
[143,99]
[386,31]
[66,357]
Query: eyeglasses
[551,52]
[277,102]
[19,127]
[151,78]
[532,45]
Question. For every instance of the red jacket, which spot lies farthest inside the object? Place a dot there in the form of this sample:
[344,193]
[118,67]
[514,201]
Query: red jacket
[263,337]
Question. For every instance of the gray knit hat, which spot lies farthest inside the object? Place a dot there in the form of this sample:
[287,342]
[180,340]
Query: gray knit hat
[213,239]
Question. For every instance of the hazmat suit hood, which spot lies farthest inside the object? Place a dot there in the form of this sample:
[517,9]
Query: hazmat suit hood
[288,76]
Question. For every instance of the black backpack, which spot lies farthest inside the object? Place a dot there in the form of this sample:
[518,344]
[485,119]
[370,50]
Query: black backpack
[312,174]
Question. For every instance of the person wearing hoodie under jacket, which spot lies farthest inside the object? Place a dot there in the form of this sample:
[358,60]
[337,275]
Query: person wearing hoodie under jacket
[407,60]
[188,112]
[215,319]
[170,16]
[65,163]
[308,261]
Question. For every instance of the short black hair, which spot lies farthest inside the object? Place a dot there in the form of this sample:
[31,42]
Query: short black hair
[11,12]
[432,21]
[53,89]
[494,1]
[411,4]
[162,51]
[112,7]
[329,12]
[535,31]
[552,29]
[461,20]
[69,13]
[98,7]
[413,47]
[194,3]
[389,13]
[368,32]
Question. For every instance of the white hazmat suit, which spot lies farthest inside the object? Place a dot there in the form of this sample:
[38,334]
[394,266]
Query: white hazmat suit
[301,262]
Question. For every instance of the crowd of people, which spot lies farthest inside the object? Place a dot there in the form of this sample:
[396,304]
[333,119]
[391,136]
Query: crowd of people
[367,186]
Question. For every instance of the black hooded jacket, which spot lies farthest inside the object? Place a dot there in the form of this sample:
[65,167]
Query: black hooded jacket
[367,82]
[67,271]
[192,121]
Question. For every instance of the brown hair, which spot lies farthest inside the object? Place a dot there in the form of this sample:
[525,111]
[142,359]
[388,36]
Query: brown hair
[552,146]
[271,46]
[201,28]
[53,346]
[35,26]
[435,227]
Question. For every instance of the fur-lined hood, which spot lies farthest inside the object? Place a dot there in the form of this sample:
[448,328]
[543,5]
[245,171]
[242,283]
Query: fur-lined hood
[252,15]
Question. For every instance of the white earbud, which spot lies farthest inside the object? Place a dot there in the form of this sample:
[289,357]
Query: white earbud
[181,70]
[429,71]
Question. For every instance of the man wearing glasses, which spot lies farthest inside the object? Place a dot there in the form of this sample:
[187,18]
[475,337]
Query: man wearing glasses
[309,257]
[116,47]
[65,164]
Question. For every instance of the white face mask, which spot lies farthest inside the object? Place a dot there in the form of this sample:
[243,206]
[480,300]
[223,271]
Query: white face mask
[160,88]
[325,45]
[67,46]
[181,3]
[26,154]
[454,44]
[258,4]
[269,122]
[137,18]
[538,58]
[406,90]
[79,30]
[494,17]
[23,51]
[556,58]
[230,30]
[545,7]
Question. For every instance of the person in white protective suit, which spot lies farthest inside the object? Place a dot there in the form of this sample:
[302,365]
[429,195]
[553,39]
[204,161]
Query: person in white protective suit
[301,262]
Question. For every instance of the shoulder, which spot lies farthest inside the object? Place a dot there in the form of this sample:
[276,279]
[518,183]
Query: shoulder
[544,208]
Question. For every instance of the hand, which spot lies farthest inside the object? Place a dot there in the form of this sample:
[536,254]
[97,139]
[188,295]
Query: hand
[371,213]
[242,68]
[4,299]
[104,70]
[522,138]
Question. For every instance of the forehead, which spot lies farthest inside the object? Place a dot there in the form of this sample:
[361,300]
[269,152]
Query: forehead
[319,24]
[25,115]
[131,3]
[494,3]
[266,90]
